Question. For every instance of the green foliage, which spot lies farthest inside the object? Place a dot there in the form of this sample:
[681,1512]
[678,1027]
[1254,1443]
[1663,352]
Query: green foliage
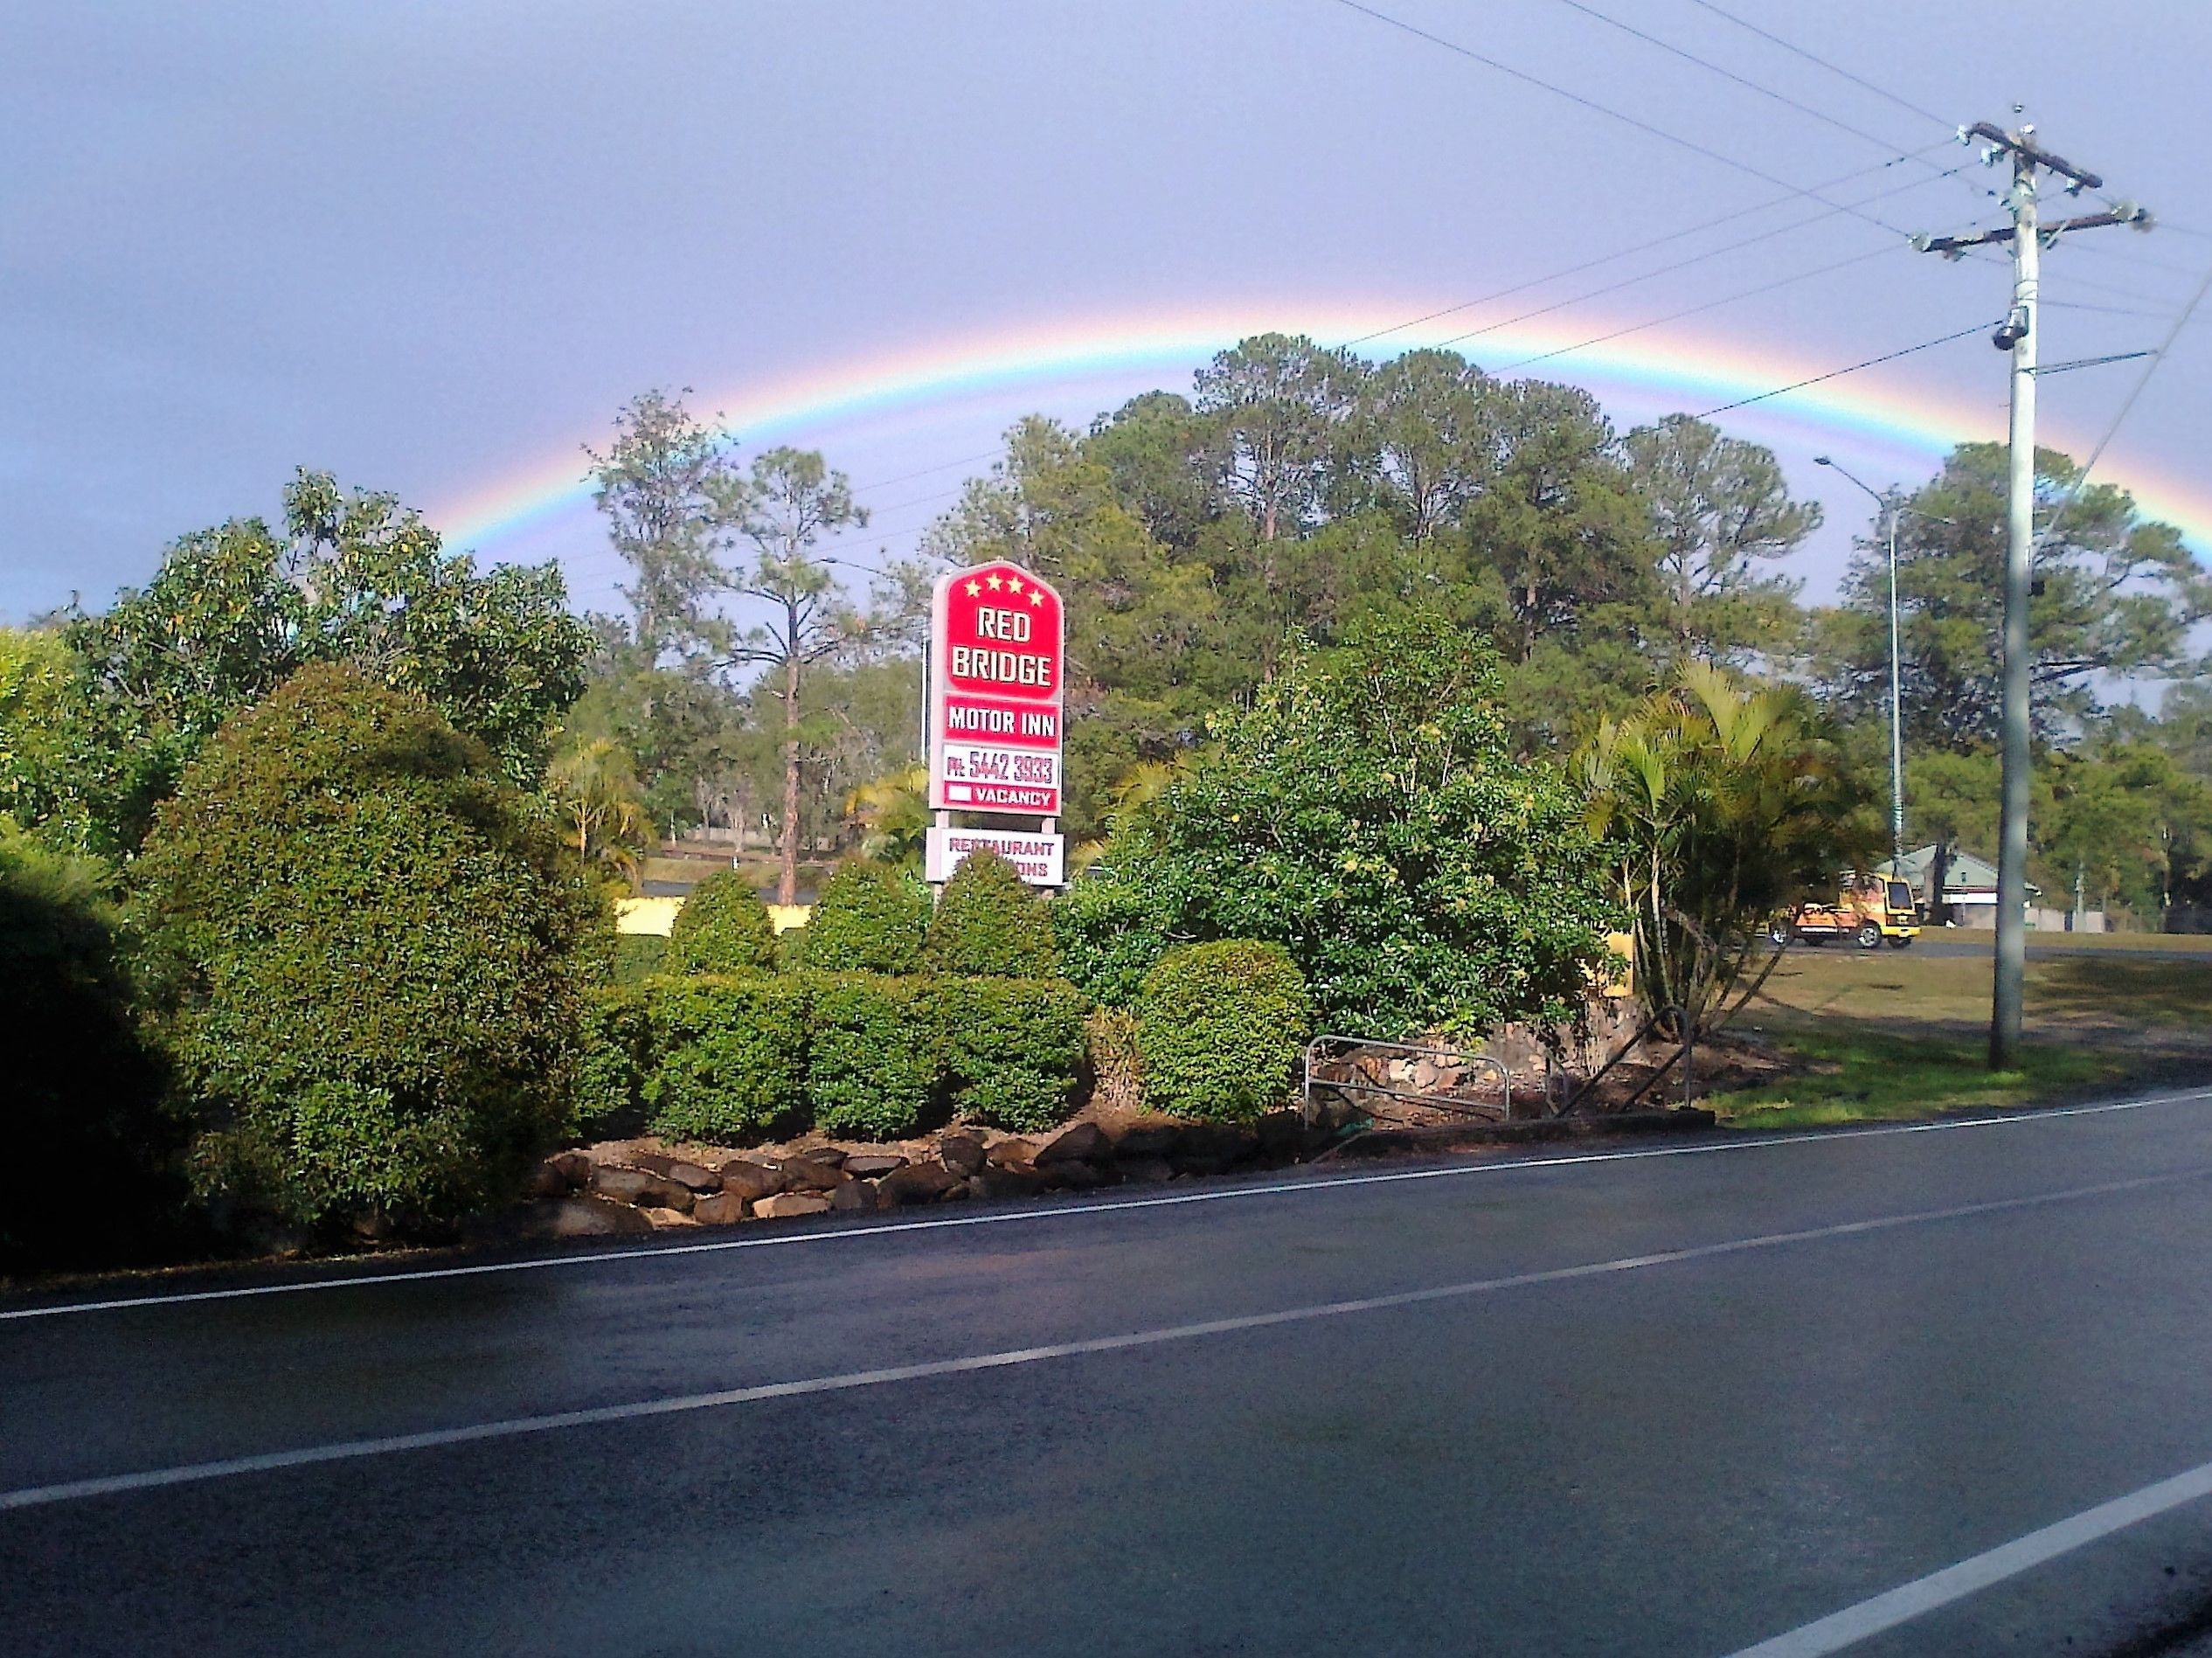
[236,610]
[1109,931]
[990,920]
[731,1056]
[370,955]
[875,1054]
[1367,812]
[722,927]
[1014,1049]
[638,956]
[39,696]
[1220,1028]
[612,1063]
[82,1101]
[791,950]
[868,921]
[1722,806]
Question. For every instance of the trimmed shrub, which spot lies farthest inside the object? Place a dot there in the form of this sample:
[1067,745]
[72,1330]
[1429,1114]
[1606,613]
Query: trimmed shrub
[612,1063]
[1014,1049]
[368,953]
[791,950]
[1109,933]
[867,919]
[731,1056]
[722,927]
[990,920]
[81,1099]
[1219,1027]
[638,956]
[873,1057]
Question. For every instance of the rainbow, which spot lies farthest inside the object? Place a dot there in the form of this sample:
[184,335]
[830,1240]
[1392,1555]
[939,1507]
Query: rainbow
[1876,413]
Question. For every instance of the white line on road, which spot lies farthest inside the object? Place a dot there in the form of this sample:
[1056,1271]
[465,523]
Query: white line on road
[348,1450]
[1066,1212]
[1853,1624]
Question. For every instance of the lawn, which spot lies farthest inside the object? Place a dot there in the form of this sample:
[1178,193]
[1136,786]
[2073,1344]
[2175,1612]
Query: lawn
[1892,1034]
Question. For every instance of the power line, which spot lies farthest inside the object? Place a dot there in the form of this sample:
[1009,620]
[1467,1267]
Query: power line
[1833,69]
[1595,108]
[1887,356]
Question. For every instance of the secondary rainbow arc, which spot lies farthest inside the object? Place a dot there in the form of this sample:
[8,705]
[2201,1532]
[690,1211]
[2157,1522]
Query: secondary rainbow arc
[1684,370]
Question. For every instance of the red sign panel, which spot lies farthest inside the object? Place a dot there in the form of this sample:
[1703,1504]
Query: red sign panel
[997,674]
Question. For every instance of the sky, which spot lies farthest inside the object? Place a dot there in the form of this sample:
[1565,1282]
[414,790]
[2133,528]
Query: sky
[434,247]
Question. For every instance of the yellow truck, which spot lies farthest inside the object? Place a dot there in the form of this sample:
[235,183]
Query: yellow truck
[1868,911]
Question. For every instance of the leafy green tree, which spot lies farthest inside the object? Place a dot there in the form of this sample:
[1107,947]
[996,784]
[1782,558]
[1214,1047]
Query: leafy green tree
[1720,510]
[2117,595]
[663,486]
[1434,438]
[369,954]
[1367,812]
[1284,406]
[593,785]
[894,815]
[41,696]
[1722,806]
[352,577]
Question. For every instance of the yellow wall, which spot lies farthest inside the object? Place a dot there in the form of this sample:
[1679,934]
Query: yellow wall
[658,915]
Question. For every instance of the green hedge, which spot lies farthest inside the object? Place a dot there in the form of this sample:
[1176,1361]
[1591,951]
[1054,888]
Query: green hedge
[874,1054]
[1109,934]
[722,927]
[1014,1049]
[612,1062]
[990,920]
[868,921]
[731,1056]
[637,957]
[1219,1027]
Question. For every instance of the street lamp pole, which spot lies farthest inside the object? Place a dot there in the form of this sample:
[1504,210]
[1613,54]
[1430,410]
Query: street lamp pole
[1890,512]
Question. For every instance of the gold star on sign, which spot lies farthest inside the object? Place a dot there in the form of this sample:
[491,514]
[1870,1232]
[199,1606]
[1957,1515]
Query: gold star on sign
[994,583]
[1014,584]
[974,590]
[1036,598]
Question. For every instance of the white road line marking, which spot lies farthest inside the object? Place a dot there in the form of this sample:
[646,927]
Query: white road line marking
[1066,1212]
[1901,1605]
[348,1450]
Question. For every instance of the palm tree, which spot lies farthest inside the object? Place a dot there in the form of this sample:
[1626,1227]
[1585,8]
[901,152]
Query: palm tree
[1724,805]
[595,783]
[893,815]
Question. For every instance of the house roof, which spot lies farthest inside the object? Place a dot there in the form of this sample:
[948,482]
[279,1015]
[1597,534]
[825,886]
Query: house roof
[1966,873]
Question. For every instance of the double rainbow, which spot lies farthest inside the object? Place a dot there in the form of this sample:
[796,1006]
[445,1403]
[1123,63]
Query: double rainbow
[1890,415]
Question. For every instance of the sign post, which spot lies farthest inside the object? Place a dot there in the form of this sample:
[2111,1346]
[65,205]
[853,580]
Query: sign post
[997,707]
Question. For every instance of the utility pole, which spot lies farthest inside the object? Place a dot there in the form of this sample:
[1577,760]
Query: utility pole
[2017,334]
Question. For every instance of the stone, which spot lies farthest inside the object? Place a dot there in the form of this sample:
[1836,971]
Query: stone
[1085,1143]
[744,1178]
[834,1156]
[724,1208]
[547,1179]
[584,1217]
[655,1162]
[575,1166]
[1007,1153]
[962,1154]
[1010,1180]
[869,1165]
[693,1178]
[811,1173]
[1280,1134]
[1077,1177]
[1150,1139]
[662,1219]
[1209,1148]
[915,1183]
[854,1194]
[1149,1171]
[786,1203]
[622,1184]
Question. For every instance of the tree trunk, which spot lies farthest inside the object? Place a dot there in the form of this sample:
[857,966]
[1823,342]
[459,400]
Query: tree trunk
[788,880]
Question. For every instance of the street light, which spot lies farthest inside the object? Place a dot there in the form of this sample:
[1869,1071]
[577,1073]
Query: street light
[1890,510]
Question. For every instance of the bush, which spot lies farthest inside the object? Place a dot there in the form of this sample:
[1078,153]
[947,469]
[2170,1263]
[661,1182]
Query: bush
[638,956]
[613,1062]
[369,954]
[990,920]
[1014,1049]
[791,950]
[868,921]
[731,1056]
[81,1099]
[873,1055]
[722,927]
[1219,1028]
[1109,933]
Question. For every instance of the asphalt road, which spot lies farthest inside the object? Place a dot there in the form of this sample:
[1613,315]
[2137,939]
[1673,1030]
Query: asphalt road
[1679,1401]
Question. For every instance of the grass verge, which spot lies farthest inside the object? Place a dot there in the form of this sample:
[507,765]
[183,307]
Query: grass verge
[1859,1075]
